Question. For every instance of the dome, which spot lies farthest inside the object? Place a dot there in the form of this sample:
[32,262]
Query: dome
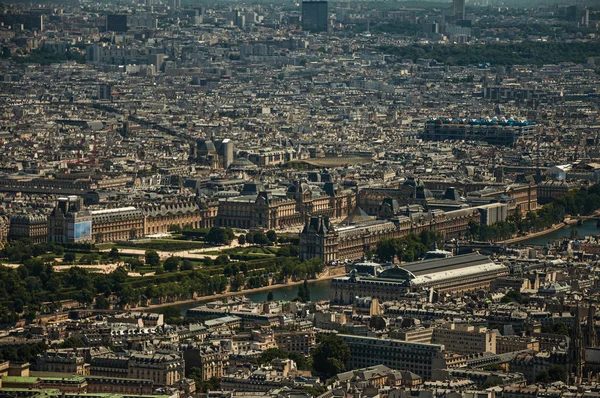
[242,164]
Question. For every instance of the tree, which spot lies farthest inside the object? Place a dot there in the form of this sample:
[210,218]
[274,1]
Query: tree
[69,257]
[304,292]
[272,235]
[72,342]
[85,296]
[172,316]
[557,373]
[242,240]
[186,265]
[574,233]
[171,264]
[134,263]
[250,238]
[514,295]
[385,250]
[543,377]
[561,328]
[114,254]
[270,296]
[102,303]
[272,353]
[152,258]
[217,236]
[223,259]
[238,282]
[377,323]
[283,251]
[331,356]
[176,229]
[261,239]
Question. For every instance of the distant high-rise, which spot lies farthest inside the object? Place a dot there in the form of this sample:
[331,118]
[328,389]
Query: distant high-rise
[157,60]
[104,92]
[226,149]
[458,7]
[579,15]
[116,23]
[314,16]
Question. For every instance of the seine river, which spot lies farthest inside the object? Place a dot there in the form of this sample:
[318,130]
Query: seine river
[588,228]
[319,290]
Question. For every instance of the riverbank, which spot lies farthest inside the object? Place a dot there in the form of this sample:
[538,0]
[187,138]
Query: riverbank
[329,274]
[554,228]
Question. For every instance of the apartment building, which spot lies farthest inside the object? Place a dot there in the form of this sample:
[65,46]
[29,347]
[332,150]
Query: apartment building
[418,358]
[465,339]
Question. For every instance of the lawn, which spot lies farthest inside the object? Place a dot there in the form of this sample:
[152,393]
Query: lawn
[168,245]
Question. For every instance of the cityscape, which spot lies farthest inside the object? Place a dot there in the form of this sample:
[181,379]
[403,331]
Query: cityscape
[300,199]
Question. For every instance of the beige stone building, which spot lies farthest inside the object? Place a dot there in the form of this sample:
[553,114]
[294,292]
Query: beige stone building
[160,217]
[296,341]
[62,361]
[162,369]
[209,359]
[278,209]
[465,339]
[30,226]
[437,279]
[110,225]
[320,239]
[506,344]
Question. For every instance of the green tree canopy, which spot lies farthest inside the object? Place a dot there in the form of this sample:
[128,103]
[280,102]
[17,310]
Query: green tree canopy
[331,356]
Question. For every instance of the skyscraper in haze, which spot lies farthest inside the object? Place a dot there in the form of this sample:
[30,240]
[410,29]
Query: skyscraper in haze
[116,23]
[314,16]
[458,6]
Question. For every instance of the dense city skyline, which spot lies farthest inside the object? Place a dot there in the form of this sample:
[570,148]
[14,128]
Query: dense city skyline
[299,199]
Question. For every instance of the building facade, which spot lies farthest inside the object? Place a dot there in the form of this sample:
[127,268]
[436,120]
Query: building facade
[493,131]
[70,222]
[418,358]
[110,225]
[436,278]
[210,360]
[315,16]
[320,239]
[258,208]
[62,361]
[30,226]
[465,339]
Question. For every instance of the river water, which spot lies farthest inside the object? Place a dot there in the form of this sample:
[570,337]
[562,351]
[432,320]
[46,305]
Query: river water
[586,229]
[319,290]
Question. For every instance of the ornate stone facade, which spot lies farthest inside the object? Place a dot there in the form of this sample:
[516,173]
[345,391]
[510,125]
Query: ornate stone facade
[30,226]
[258,208]
[160,217]
[112,225]
[320,239]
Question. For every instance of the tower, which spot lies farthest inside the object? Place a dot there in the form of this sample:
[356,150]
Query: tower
[315,16]
[591,337]
[578,350]
[104,91]
[458,8]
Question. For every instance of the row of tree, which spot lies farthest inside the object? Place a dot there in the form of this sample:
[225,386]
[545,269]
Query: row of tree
[258,238]
[523,53]
[35,286]
[583,201]
[409,248]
